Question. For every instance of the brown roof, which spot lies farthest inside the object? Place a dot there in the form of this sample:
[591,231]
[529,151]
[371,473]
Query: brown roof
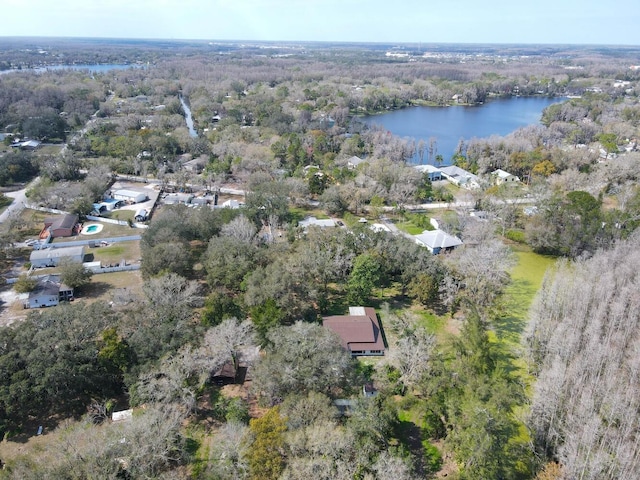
[357,332]
[66,221]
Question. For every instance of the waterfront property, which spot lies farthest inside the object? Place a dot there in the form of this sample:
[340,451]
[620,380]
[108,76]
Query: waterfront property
[460,177]
[359,331]
[435,174]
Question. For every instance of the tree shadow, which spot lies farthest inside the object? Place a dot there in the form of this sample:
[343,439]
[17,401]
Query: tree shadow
[95,289]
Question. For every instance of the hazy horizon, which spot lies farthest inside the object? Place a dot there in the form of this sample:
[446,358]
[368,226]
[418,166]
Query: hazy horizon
[589,22]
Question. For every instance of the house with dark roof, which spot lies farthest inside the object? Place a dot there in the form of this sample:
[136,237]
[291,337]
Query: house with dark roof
[48,292]
[63,226]
[359,331]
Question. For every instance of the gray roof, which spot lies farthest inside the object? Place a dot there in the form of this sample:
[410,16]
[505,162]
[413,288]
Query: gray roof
[66,221]
[437,239]
[56,253]
[309,221]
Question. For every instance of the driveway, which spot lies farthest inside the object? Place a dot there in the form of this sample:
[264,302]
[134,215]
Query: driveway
[19,198]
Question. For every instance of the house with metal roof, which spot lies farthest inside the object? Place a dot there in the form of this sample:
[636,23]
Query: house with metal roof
[313,221]
[51,257]
[437,241]
[434,173]
[460,177]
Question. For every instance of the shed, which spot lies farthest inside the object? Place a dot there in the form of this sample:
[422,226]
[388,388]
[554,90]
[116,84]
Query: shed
[226,374]
[51,257]
[141,215]
[131,196]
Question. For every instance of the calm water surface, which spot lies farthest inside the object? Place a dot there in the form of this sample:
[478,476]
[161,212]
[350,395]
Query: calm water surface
[451,124]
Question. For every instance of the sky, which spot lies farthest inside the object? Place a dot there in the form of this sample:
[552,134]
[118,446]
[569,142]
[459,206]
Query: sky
[612,22]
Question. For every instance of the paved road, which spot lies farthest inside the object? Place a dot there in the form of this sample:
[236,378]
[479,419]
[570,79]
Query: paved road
[19,199]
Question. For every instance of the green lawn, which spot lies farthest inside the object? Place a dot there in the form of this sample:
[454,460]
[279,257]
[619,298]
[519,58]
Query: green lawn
[526,279]
[129,251]
[120,215]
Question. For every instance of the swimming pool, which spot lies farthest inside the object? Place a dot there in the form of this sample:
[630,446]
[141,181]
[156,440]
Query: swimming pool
[91,229]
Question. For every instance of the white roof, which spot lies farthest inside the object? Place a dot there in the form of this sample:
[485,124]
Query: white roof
[428,169]
[128,193]
[437,239]
[355,161]
[122,415]
[57,253]
[231,204]
[454,171]
[318,223]
[501,173]
[379,227]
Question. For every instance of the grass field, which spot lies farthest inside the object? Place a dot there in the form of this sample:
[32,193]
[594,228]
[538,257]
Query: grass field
[526,279]
[129,251]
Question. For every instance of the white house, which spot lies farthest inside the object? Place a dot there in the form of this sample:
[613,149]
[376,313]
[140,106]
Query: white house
[51,257]
[49,292]
[500,177]
[437,241]
[434,172]
[313,221]
[460,177]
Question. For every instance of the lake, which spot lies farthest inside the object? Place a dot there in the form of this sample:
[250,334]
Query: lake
[97,68]
[450,124]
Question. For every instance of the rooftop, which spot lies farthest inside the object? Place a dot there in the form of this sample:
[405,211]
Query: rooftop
[358,331]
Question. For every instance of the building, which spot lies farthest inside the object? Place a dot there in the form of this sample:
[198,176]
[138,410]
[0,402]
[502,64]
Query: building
[51,257]
[501,177]
[354,161]
[63,226]
[196,165]
[130,196]
[437,241]
[313,221]
[178,198]
[460,177]
[233,204]
[359,331]
[435,174]
[141,215]
[49,292]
